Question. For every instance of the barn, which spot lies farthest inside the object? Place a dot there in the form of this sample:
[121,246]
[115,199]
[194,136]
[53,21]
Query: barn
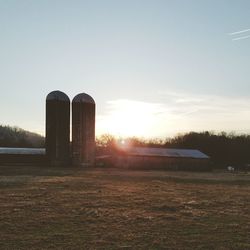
[22,156]
[161,158]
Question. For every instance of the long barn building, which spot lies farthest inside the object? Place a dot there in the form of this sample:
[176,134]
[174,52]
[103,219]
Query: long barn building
[161,158]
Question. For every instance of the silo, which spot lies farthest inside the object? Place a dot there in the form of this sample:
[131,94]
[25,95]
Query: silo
[58,128]
[83,130]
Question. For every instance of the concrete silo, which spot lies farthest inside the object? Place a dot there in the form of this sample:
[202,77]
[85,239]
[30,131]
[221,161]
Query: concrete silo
[58,128]
[83,130]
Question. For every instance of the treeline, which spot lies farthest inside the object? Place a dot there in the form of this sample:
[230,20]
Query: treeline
[17,137]
[227,148]
[223,148]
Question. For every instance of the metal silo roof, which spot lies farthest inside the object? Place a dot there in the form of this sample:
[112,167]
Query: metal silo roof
[83,97]
[57,95]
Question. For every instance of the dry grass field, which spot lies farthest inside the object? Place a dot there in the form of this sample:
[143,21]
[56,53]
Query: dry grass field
[57,208]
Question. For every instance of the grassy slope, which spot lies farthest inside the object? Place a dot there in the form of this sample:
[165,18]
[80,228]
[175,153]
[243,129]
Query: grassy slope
[111,209]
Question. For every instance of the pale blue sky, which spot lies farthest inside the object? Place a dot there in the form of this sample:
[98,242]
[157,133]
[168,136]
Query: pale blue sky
[174,56]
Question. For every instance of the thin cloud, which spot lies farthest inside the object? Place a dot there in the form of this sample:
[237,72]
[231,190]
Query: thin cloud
[176,112]
[241,38]
[238,32]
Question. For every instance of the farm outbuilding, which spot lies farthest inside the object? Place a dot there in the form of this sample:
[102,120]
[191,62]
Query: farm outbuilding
[22,156]
[161,158]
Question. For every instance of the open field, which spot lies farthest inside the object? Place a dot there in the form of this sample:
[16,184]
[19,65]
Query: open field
[56,208]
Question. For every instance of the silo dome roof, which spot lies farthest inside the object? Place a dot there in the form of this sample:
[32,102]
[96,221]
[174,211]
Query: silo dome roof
[57,95]
[83,97]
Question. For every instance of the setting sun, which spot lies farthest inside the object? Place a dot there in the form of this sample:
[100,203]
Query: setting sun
[130,118]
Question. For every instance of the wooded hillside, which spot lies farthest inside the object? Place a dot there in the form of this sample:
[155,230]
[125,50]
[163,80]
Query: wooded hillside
[17,137]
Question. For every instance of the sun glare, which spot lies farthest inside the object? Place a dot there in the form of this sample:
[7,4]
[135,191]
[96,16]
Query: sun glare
[130,118]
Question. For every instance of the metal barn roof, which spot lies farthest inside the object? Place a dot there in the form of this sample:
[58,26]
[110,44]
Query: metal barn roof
[23,151]
[166,152]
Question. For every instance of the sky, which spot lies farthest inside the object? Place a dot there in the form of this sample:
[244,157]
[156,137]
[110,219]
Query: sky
[154,67]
